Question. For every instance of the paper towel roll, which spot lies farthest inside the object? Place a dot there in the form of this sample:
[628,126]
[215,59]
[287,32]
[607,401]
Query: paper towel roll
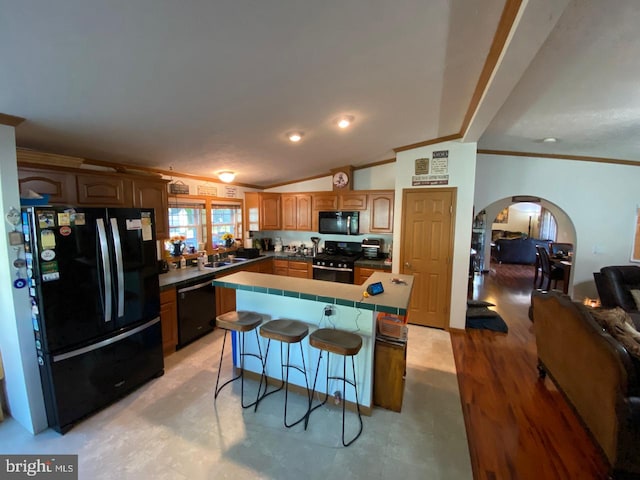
[248,243]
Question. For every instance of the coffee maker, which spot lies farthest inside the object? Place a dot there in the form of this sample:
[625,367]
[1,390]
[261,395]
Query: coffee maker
[372,248]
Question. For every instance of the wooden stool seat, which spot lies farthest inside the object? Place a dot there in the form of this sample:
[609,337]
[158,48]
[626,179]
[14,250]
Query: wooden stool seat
[238,321]
[285,330]
[336,341]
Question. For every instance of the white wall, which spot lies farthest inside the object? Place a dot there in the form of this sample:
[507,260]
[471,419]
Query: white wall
[599,198]
[17,345]
[462,168]
[381,177]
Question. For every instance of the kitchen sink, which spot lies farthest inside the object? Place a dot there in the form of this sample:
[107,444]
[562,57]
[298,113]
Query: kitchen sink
[224,263]
[216,264]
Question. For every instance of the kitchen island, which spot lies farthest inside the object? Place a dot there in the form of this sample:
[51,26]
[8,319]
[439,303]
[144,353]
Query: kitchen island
[310,301]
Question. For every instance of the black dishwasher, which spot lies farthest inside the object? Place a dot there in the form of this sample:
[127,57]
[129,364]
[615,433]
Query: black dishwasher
[196,310]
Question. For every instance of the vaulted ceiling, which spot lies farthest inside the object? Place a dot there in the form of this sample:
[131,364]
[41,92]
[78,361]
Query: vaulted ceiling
[204,86]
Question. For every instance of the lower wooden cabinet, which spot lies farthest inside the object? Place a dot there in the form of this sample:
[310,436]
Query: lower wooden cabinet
[362,274]
[281,267]
[292,268]
[300,269]
[389,375]
[169,320]
[225,298]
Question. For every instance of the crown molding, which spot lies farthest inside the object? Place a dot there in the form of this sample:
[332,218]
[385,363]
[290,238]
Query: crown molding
[559,156]
[10,120]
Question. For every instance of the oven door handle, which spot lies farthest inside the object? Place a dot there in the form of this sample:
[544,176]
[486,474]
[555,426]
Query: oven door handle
[334,269]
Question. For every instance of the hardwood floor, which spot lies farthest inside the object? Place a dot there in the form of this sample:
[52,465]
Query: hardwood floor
[519,427]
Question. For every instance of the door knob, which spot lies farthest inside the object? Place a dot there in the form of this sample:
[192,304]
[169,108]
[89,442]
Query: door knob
[407,264]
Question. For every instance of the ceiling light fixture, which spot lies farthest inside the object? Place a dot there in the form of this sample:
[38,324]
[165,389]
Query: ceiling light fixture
[345,121]
[227,176]
[295,136]
[550,140]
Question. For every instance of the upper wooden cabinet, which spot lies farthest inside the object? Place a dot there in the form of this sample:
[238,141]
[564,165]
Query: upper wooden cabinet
[148,193]
[325,201]
[60,186]
[381,212]
[263,211]
[296,211]
[68,186]
[104,190]
[352,201]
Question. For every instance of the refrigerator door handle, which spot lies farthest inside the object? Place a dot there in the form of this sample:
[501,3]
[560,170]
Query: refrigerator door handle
[106,268]
[119,265]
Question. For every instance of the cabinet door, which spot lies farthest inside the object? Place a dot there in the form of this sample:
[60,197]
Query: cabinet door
[266,266]
[362,274]
[270,211]
[153,194]
[60,186]
[104,191]
[169,320]
[381,212]
[296,212]
[298,269]
[303,205]
[289,212]
[325,201]
[352,201]
[281,267]
[225,298]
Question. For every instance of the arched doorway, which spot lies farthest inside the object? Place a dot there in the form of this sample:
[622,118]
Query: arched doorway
[519,216]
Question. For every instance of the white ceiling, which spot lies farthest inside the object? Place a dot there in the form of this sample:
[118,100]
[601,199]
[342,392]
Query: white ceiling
[207,85]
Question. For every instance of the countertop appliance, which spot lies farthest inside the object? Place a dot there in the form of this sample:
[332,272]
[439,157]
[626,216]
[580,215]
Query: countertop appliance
[93,283]
[337,262]
[196,310]
[338,223]
[372,248]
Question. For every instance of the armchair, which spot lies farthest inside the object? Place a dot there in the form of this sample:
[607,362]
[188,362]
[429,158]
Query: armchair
[614,284]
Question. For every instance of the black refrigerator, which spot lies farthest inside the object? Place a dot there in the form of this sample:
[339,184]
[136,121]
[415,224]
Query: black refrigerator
[93,282]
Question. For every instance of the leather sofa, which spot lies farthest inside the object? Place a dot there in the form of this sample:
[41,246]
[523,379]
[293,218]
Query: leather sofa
[517,250]
[614,284]
[597,375]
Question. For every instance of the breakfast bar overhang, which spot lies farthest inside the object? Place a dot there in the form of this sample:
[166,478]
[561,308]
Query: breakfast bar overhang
[320,304]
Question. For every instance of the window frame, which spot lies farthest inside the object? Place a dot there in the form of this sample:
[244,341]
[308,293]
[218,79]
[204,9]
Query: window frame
[208,202]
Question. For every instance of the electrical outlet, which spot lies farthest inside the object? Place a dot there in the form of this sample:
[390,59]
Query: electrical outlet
[328,310]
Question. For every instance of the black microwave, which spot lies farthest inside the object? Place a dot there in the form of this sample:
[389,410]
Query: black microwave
[338,223]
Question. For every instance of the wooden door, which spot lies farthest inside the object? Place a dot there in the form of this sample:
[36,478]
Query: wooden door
[427,251]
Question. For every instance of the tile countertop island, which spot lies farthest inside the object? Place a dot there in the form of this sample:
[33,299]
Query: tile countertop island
[276,297]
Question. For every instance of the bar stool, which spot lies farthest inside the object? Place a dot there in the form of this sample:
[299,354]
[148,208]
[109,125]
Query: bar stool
[342,343]
[241,322]
[286,331]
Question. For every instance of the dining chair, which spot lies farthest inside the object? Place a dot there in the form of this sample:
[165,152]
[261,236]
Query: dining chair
[549,271]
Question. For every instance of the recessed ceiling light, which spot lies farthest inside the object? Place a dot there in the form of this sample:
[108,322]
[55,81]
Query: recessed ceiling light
[345,121]
[550,140]
[226,176]
[295,136]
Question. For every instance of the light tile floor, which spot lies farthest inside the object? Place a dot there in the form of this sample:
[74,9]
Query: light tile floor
[171,428]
